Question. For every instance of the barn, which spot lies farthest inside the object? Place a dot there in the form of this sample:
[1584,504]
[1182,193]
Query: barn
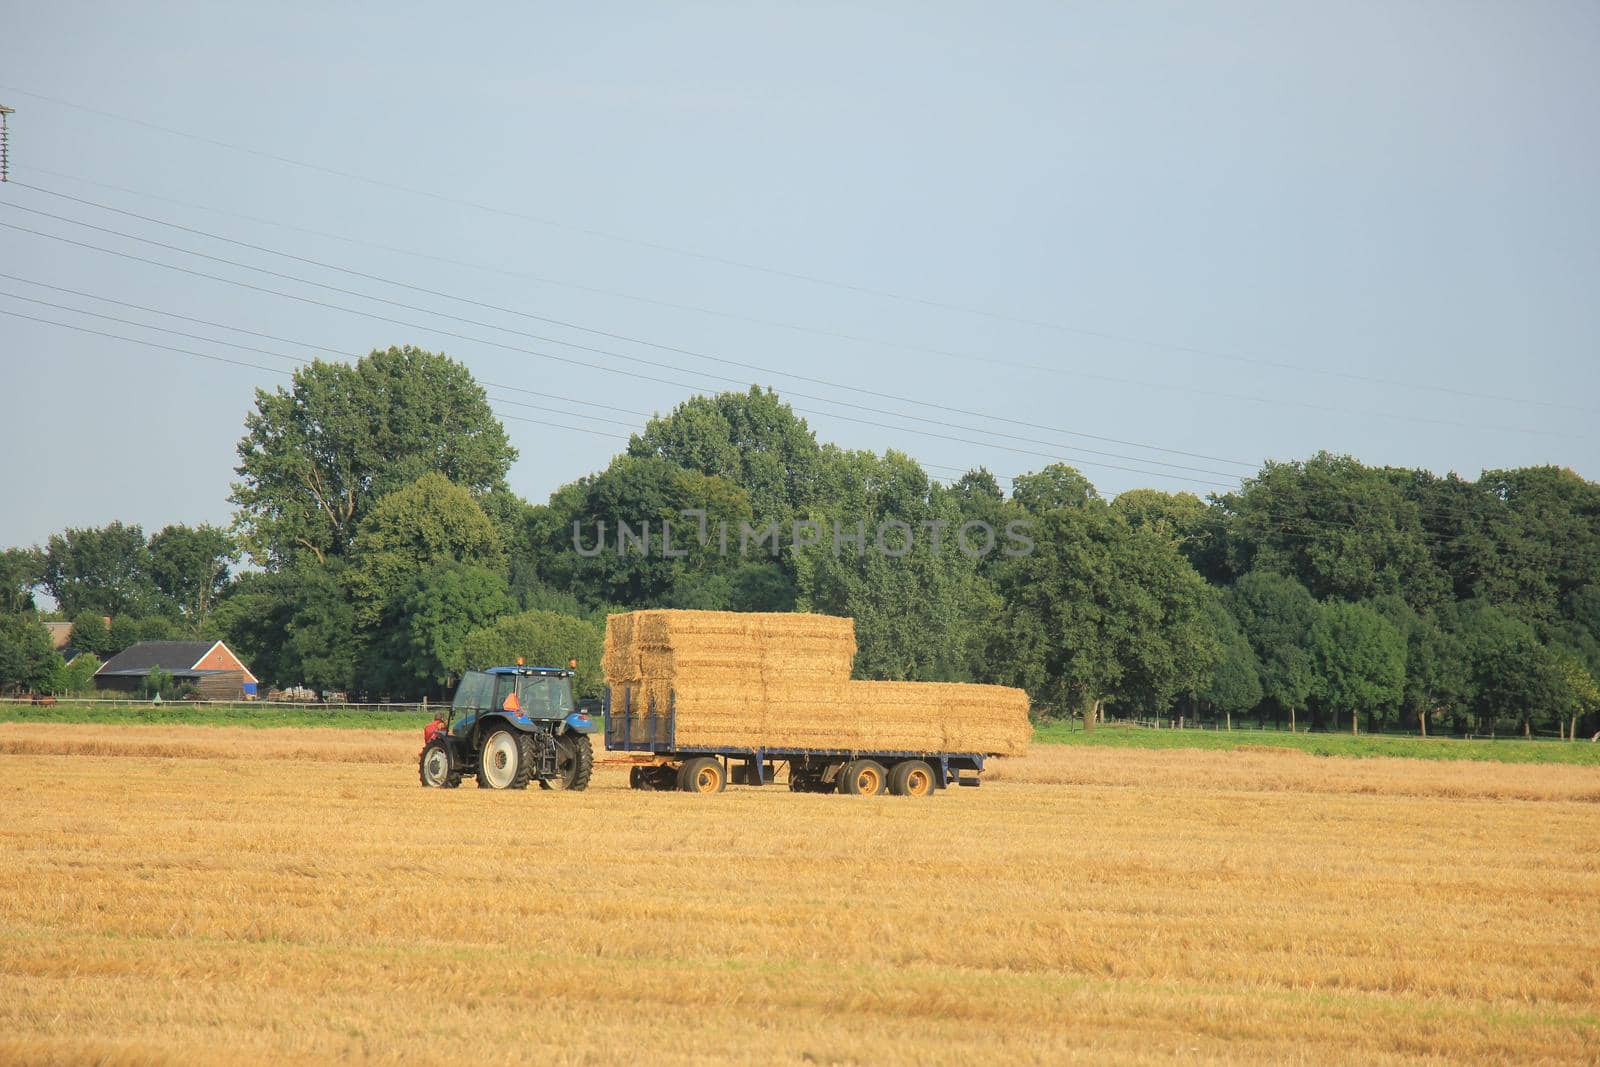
[210,666]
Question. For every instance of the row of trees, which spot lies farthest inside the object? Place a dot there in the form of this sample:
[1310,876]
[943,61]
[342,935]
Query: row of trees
[117,587]
[389,554]
[177,574]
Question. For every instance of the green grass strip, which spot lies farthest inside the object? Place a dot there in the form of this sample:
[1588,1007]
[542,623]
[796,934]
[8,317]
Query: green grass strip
[1508,750]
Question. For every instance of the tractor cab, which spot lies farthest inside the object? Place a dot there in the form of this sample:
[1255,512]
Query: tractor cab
[531,697]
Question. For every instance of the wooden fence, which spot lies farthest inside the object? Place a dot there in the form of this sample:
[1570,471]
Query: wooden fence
[242,705]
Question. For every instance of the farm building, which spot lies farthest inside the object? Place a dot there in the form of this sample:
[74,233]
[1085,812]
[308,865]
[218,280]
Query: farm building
[210,666]
[61,633]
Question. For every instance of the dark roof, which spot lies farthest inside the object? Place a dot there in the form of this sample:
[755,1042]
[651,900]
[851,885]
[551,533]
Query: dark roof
[175,672]
[168,655]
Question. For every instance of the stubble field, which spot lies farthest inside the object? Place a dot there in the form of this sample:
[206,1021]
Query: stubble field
[234,895]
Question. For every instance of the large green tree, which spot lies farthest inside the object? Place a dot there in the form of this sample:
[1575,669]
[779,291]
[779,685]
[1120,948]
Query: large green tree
[77,677]
[608,543]
[1344,530]
[1276,614]
[423,524]
[294,626]
[101,569]
[1436,664]
[1512,675]
[91,634]
[1358,662]
[1582,693]
[316,457]
[418,649]
[1183,518]
[884,550]
[1234,685]
[21,569]
[540,638]
[27,660]
[1101,611]
[1055,486]
[752,440]
[190,568]
[1534,543]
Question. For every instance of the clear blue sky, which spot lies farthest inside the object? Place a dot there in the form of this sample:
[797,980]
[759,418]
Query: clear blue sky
[1134,191]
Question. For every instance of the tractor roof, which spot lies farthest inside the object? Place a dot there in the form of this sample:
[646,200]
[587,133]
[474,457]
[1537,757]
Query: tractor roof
[558,671]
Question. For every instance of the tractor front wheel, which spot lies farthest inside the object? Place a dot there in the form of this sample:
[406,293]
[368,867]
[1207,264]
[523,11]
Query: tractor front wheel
[574,763]
[435,768]
[506,761]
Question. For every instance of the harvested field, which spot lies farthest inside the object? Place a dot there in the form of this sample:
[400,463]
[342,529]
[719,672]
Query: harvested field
[739,679]
[216,895]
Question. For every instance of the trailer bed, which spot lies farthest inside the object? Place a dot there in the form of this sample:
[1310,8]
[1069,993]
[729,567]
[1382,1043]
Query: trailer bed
[652,732]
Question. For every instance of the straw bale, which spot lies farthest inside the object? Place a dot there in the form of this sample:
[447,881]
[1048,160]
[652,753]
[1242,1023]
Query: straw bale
[620,656]
[747,680]
[967,718]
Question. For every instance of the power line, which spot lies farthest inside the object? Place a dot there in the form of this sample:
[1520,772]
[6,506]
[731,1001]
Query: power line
[232,362]
[562,359]
[270,337]
[1288,526]
[847,418]
[320,348]
[603,351]
[990,360]
[745,365]
[903,346]
[887,294]
[293,359]
[152,344]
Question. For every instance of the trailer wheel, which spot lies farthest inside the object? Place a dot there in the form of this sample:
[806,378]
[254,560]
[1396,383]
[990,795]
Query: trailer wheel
[506,760]
[574,763]
[435,769]
[913,778]
[862,778]
[654,779]
[703,774]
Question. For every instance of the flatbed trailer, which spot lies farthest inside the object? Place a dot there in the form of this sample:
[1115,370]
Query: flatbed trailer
[649,734]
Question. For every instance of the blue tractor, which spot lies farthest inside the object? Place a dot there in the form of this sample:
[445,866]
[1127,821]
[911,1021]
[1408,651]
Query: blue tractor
[509,726]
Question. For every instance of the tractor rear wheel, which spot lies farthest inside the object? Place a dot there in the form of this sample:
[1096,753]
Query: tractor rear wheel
[435,768]
[703,774]
[574,763]
[913,778]
[862,778]
[506,761]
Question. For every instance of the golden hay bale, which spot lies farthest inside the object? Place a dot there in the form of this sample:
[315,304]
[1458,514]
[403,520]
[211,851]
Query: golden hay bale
[666,643]
[991,719]
[620,657]
[747,679]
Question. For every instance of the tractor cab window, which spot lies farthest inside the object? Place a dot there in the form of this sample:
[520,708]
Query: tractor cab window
[475,692]
[546,697]
[505,693]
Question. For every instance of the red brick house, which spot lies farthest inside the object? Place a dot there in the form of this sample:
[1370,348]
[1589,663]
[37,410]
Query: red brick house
[210,666]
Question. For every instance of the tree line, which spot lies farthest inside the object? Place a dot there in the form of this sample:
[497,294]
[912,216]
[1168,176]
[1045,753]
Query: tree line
[377,550]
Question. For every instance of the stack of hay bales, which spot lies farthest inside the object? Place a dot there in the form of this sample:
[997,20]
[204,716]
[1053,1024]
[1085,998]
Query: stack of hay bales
[747,680]
[728,675]
[943,716]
